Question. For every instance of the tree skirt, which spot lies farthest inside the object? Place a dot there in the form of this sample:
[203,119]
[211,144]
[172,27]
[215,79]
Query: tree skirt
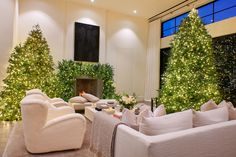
[16,147]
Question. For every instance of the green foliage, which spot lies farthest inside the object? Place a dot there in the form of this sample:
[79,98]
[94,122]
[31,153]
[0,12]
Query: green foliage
[70,70]
[30,66]
[190,78]
[225,54]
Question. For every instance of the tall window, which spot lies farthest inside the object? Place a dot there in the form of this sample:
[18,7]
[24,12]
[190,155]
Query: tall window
[210,13]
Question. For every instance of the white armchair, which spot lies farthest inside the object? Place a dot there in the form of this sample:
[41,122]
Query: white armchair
[51,100]
[45,132]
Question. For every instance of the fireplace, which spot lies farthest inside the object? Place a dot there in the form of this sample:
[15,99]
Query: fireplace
[89,85]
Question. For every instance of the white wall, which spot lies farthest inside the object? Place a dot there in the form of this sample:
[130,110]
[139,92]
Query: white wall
[50,15]
[126,51]
[122,37]
[7,8]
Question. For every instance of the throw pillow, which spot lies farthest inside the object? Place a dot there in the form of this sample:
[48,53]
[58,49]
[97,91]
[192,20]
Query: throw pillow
[90,97]
[159,111]
[132,120]
[78,99]
[209,106]
[168,123]
[225,104]
[232,113]
[210,117]
[230,106]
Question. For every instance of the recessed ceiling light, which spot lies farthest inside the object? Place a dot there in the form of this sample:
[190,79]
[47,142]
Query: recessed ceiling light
[92,1]
[135,11]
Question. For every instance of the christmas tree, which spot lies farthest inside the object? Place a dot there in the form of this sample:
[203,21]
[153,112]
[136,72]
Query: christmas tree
[30,66]
[190,78]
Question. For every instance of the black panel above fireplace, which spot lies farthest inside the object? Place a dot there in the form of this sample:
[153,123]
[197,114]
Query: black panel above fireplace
[86,44]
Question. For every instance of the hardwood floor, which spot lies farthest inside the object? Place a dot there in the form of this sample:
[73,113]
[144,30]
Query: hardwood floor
[5,129]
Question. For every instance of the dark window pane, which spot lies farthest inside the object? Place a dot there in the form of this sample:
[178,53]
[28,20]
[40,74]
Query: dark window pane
[225,14]
[176,29]
[180,18]
[223,4]
[168,24]
[168,32]
[205,10]
[208,19]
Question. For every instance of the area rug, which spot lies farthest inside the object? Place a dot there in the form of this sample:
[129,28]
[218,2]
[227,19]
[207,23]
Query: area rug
[16,147]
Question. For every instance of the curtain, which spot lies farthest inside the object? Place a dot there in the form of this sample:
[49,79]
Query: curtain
[153,60]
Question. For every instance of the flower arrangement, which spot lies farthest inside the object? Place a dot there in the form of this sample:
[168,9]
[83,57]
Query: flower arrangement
[127,101]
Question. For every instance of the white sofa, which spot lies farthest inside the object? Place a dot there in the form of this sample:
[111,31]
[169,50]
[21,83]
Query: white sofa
[217,140]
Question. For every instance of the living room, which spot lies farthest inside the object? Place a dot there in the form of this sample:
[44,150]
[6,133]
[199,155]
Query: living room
[134,42]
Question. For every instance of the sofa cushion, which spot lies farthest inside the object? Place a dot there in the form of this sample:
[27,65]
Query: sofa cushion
[168,123]
[230,106]
[132,120]
[90,97]
[225,104]
[232,113]
[210,117]
[209,106]
[159,111]
[78,99]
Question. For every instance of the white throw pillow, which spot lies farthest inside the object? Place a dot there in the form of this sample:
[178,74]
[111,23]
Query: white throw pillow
[230,106]
[129,118]
[90,97]
[232,113]
[132,120]
[210,117]
[225,104]
[78,99]
[168,123]
[210,105]
[159,111]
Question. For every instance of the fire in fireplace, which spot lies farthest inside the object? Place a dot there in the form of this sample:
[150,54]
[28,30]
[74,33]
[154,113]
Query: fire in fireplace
[89,85]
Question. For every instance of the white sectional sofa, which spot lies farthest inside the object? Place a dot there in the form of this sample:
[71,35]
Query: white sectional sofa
[217,140]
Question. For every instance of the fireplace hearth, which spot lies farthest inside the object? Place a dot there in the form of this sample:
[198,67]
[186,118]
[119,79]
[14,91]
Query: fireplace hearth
[89,85]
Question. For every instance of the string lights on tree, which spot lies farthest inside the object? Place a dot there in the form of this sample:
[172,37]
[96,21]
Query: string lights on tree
[191,78]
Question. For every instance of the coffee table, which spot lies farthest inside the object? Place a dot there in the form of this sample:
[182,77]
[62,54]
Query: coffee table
[89,112]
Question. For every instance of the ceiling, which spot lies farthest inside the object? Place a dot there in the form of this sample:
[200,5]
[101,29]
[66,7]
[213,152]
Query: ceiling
[145,8]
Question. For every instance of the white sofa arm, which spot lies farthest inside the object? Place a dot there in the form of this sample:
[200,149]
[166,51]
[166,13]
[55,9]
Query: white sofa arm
[64,119]
[68,131]
[130,143]
[56,112]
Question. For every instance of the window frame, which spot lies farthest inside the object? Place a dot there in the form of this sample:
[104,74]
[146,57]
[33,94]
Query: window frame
[213,14]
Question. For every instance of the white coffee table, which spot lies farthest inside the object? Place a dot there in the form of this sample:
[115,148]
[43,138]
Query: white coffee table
[90,111]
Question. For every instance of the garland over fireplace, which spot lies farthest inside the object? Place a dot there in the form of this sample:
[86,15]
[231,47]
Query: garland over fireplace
[69,71]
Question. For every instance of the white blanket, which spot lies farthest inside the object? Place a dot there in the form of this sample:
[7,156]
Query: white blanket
[103,134]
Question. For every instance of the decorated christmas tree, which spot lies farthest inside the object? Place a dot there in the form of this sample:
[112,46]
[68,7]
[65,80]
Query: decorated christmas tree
[190,78]
[30,66]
